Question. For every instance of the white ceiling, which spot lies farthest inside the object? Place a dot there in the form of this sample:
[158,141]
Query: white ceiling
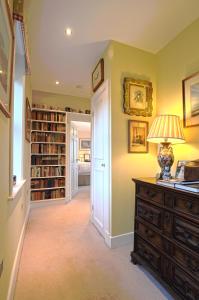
[145,24]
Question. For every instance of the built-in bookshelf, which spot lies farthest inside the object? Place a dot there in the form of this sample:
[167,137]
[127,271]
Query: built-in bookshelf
[48,154]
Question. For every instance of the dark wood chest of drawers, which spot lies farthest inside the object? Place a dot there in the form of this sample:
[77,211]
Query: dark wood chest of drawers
[167,236]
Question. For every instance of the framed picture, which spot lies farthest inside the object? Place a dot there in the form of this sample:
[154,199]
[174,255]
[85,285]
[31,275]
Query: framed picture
[87,157]
[28,121]
[180,169]
[137,97]
[190,91]
[98,75]
[6,57]
[137,136]
[84,144]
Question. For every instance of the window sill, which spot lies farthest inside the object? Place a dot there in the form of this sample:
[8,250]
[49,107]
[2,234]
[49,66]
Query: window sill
[17,190]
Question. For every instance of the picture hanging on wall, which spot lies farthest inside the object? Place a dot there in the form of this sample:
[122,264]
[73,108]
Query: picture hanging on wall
[28,121]
[190,91]
[98,75]
[137,136]
[84,144]
[6,57]
[137,97]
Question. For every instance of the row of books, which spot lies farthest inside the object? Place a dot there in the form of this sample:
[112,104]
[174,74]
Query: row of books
[44,106]
[50,149]
[48,137]
[48,126]
[47,171]
[48,116]
[47,183]
[47,160]
[48,194]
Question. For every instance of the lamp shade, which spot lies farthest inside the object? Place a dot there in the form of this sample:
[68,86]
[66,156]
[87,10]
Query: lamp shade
[166,129]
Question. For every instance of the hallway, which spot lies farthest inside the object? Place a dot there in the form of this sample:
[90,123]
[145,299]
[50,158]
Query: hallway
[64,258]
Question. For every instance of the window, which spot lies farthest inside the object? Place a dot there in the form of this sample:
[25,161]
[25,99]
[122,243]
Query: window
[18,107]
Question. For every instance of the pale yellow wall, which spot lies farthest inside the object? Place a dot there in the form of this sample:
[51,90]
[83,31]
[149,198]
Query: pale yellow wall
[60,100]
[128,62]
[179,59]
[12,213]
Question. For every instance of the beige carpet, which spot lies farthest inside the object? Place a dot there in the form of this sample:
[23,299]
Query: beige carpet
[64,258]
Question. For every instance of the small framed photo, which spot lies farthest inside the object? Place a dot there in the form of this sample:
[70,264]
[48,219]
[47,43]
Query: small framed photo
[190,91]
[84,144]
[137,136]
[180,169]
[137,97]
[98,75]
[87,157]
[28,121]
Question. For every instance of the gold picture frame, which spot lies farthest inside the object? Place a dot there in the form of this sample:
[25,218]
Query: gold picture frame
[190,92]
[137,136]
[138,97]
[98,75]
[28,121]
[6,58]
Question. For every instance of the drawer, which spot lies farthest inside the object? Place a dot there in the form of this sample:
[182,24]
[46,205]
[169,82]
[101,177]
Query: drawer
[189,261]
[187,205]
[149,193]
[187,233]
[185,285]
[149,213]
[148,253]
[149,235]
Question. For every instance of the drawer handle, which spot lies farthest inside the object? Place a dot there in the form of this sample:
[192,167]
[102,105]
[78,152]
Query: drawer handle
[189,205]
[192,264]
[149,233]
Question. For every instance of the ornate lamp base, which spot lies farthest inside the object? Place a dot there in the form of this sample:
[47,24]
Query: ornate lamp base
[165,160]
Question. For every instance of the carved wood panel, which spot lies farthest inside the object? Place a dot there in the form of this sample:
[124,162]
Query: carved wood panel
[149,213]
[151,194]
[150,235]
[187,233]
[149,254]
[185,285]
[187,260]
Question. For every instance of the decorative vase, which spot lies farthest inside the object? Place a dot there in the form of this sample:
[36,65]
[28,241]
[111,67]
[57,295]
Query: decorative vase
[165,160]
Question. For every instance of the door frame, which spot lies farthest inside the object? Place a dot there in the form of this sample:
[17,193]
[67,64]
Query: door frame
[105,87]
[70,116]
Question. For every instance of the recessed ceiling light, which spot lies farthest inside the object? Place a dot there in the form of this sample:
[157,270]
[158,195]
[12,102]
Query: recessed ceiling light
[57,82]
[68,31]
[1,71]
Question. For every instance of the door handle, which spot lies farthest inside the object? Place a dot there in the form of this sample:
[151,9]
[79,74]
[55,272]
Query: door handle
[102,165]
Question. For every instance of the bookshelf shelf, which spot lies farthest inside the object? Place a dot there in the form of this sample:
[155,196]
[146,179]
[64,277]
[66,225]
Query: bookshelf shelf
[48,177]
[48,131]
[48,155]
[47,166]
[48,110]
[51,188]
[57,154]
[54,143]
[45,121]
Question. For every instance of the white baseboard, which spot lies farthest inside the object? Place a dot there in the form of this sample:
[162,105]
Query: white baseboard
[119,240]
[15,267]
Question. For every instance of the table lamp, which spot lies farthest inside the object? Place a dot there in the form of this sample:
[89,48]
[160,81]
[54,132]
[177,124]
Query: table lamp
[166,130]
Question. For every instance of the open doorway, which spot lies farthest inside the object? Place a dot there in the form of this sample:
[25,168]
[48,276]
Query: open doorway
[78,153]
[80,156]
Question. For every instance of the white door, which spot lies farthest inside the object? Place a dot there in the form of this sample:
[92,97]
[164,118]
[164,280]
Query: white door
[74,160]
[100,183]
